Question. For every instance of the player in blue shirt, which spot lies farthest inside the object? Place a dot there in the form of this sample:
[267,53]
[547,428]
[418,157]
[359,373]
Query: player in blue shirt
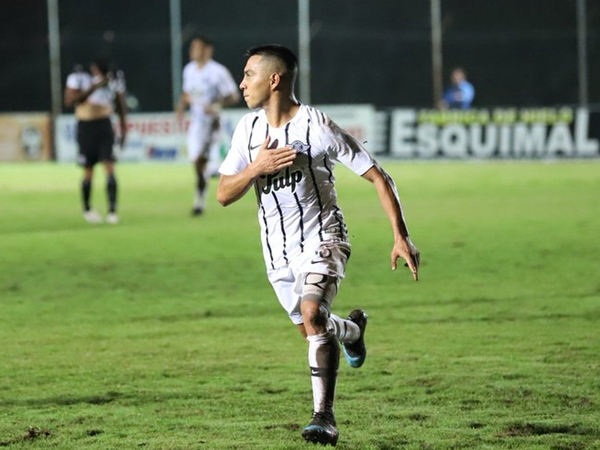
[460,94]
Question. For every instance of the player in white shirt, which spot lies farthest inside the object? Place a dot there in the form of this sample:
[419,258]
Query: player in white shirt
[93,95]
[287,151]
[207,87]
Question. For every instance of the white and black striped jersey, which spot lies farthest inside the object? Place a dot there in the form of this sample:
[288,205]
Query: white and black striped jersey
[206,85]
[103,96]
[297,207]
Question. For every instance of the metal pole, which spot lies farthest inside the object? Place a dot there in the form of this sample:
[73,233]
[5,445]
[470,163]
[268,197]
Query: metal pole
[176,62]
[436,50]
[582,65]
[54,50]
[304,46]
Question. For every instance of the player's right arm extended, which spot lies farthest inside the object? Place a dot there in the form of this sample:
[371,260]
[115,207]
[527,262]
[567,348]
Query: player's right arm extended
[390,201]
[233,187]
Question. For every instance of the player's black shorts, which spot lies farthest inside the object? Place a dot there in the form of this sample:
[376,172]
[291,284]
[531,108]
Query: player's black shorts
[95,139]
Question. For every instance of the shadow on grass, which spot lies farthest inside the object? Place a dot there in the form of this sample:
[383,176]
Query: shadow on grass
[99,399]
[198,315]
[503,319]
[173,318]
[590,293]
[537,429]
[65,400]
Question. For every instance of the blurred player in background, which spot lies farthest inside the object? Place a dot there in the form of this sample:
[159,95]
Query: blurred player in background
[93,95]
[207,87]
[460,94]
[286,151]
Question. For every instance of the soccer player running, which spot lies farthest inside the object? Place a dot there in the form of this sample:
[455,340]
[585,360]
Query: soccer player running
[207,87]
[286,151]
[93,95]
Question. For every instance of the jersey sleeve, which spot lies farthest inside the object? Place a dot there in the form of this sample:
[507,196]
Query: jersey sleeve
[237,158]
[75,81]
[226,85]
[346,149]
[186,80]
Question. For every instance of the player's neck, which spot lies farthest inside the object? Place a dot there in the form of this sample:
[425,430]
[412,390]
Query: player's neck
[200,63]
[281,110]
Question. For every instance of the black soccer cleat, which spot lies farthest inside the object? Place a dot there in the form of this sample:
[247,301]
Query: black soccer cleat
[322,429]
[197,211]
[356,352]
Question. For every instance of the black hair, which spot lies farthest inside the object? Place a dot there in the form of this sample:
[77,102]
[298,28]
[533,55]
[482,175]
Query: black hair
[204,39]
[279,52]
[103,65]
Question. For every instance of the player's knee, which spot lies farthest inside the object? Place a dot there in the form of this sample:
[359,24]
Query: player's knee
[315,314]
[317,296]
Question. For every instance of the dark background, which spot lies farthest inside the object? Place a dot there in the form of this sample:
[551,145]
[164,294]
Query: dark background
[516,52]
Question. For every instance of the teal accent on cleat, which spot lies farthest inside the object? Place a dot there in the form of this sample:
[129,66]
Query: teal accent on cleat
[356,352]
[321,430]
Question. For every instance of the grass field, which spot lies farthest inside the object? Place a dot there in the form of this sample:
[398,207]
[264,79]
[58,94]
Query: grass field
[162,333]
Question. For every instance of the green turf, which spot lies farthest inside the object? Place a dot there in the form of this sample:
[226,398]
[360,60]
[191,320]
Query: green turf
[162,333]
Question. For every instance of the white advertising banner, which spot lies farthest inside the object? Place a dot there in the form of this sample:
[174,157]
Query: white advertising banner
[160,137]
[496,133]
[150,137]
[357,120]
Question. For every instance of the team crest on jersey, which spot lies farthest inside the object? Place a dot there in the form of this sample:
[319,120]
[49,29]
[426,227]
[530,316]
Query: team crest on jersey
[300,147]
[281,180]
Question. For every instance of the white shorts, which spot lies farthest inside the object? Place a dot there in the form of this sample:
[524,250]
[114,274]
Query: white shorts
[328,258]
[202,136]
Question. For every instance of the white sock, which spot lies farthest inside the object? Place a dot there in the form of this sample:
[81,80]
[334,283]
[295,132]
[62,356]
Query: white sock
[345,331]
[200,198]
[323,359]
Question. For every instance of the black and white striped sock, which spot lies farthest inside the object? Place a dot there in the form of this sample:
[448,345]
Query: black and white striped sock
[345,330]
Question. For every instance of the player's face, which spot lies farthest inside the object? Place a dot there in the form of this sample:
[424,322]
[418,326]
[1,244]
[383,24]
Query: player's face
[198,50]
[255,85]
[457,76]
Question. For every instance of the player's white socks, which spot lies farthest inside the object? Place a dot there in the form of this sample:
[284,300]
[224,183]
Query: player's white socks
[345,331]
[200,198]
[324,360]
